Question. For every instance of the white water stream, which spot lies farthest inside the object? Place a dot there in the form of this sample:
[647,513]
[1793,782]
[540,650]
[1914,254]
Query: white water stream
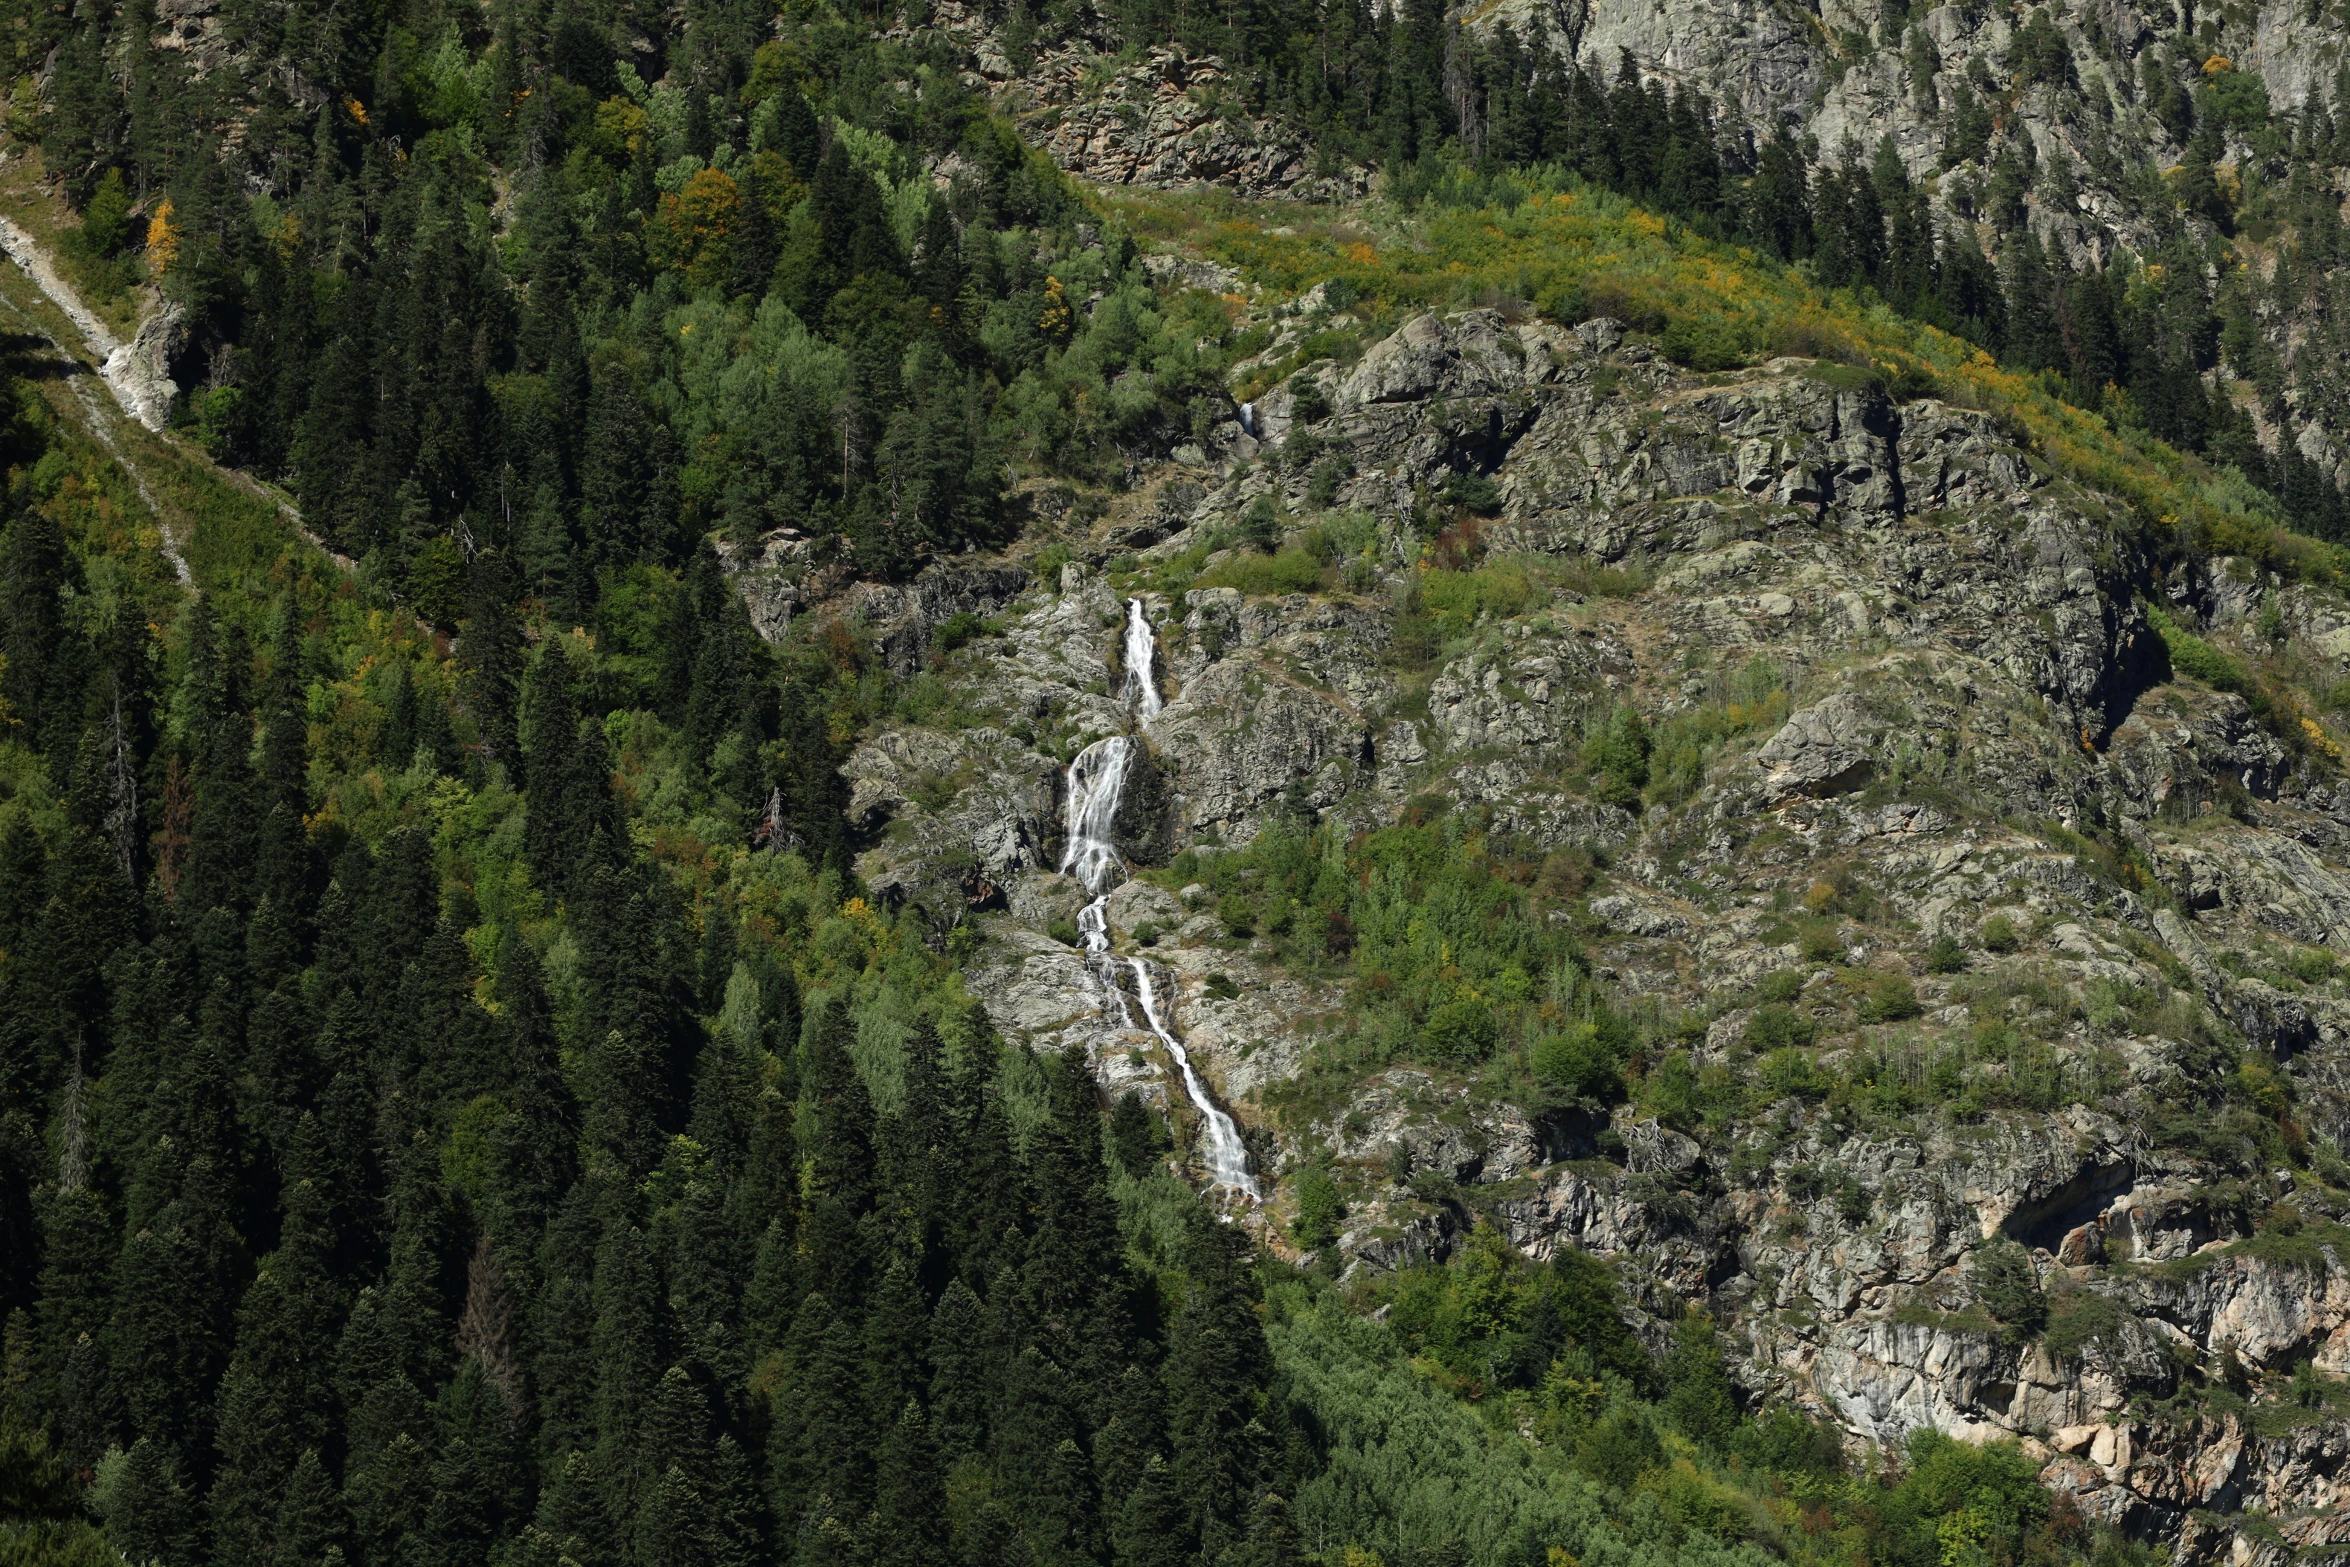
[1096,780]
[1142,650]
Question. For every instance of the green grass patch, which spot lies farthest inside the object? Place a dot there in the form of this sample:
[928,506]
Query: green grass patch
[2080,1318]
[1973,1320]
[1264,576]
[1454,601]
[1576,252]
[2190,655]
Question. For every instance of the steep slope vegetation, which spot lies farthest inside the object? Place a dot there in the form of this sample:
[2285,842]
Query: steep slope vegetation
[1755,847]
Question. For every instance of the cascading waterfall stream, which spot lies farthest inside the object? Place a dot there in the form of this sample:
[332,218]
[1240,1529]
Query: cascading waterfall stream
[1227,1157]
[1142,650]
[1097,778]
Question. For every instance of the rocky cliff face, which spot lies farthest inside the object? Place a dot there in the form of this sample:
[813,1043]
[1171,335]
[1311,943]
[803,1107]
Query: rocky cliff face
[2075,120]
[1942,708]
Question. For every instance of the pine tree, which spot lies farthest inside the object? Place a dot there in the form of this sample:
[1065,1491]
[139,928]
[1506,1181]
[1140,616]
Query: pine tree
[1130,1436]
[796,134]
[310,1519]
[276,1399]
[2032,341]
[40,681]
[959,1370]
[736,1527]
[822,1451]
[629,1357]
[560,1337]
[284,874]
[1153,1527]
[1075,1276]
[567,821]
[449,1035]
[909,1504]
[897,1332]
[1778,217]
[839,1155]
[490,660]
[1700,1400]
[534,1153]
[572,1522]
[1216,1361]
[149,1510]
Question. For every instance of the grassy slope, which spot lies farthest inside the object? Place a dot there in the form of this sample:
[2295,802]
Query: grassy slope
[1572,252]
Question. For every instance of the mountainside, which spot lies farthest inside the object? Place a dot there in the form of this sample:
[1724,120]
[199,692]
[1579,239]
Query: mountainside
[1542,785]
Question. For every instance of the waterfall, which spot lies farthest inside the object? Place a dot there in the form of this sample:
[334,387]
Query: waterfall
[1097,778]
[1141,652]
[1227,1158]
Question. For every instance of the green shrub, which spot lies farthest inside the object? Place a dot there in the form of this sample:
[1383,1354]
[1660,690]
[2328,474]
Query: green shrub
[962,628]
[1238,914]
[1784,1438]
[1888,998]
[1454,600]
[1777,1026]
[1046,567]
[1462,1030]
[1779,985]
[106,221]
[2079,1318]
[1837,1187]
[1136,1135]
[1473,491]
[2311,965]
[1708,342]
[1699,1401]
[1220,988]
[1318,1209]
[1329,477]
[1260,525]
[1581,1063]
[2007,1287]
[1987,1495]
[1619,1449]
[1820,940]
[1063,930]
[220,413]
[1671,1092]
[1787,1070]
[1264,576]
[2192,656]
[1616,753]
[1998,934]
[1946,956]
[1308,403]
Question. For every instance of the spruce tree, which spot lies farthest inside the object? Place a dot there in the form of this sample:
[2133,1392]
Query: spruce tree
[149,1509]
[629,1356]
[1216,1361]
[1153,1528]
[310,1519]
[276,1399]
[959,1370]
[909,1503]
[490,661]
[839,1156]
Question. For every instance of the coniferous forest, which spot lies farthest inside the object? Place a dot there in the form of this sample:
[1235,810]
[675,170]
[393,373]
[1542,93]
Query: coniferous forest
[457,1104]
